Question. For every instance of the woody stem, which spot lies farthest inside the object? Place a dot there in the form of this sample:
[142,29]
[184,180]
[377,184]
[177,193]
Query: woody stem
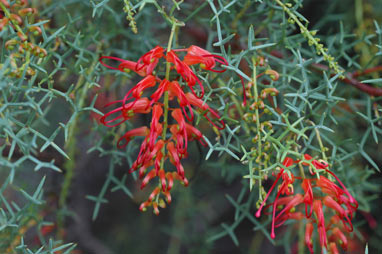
[165,101]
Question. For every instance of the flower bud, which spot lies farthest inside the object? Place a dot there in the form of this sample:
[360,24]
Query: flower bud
[22,2]
[16,19]
[3,23]
[35,30]
[5,3]
[10,45]
[27,12]
[22,36]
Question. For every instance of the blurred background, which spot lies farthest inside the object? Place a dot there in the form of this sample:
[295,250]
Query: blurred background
[93,202]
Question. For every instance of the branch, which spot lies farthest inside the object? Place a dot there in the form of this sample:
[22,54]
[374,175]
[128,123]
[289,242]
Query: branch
[351,79]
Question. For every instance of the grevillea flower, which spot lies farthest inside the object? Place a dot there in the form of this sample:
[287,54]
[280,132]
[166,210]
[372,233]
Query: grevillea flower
[174,158]
[308,236]
[308,197]
[163,87]
[288,211]
[141,131]
[137,91]
[158,147]
[338,236]
[150,60]
[125,65]
[185,71]
[284,189]
[317,208]
[333,248]
[321,196]
[207,61]
[206,110]
[193,133]
[140,106]
[182,142]
[176,91]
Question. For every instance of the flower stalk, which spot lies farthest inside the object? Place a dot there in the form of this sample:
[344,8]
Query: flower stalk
[165,100]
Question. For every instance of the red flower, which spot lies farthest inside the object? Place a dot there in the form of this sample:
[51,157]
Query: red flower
[197,102]
[333,248]
[157,146]
[141,131]
[174,158]
[290,203]
[330,202]
[175,90]
[146,155]
[162,177]
[308,236]
[317,208]
[207,61]
[155,125]
[284,189]
[137,90]
[148,81]
[337,200]
[179,138]
[193,133]
[153,194]
[125,65]
[308,197]
[163,86]
[126,111]
[182,143]
[336,193]
[185,71]
[338,236]
[316,164]
[352,202]
[150,59]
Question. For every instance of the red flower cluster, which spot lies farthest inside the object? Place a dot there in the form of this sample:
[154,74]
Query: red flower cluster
[152,153]
[317,193]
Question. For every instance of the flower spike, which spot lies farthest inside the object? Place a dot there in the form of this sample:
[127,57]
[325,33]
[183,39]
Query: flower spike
[335,200]
[157,146]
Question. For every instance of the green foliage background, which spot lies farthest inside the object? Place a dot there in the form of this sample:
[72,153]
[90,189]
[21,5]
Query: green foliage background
[59,167]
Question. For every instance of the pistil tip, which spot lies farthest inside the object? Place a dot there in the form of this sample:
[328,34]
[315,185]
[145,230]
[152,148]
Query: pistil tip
[258,213]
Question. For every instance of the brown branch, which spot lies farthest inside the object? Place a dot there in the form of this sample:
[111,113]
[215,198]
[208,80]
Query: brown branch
[351,79]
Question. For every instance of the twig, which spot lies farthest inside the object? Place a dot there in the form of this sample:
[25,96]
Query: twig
[351,79]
